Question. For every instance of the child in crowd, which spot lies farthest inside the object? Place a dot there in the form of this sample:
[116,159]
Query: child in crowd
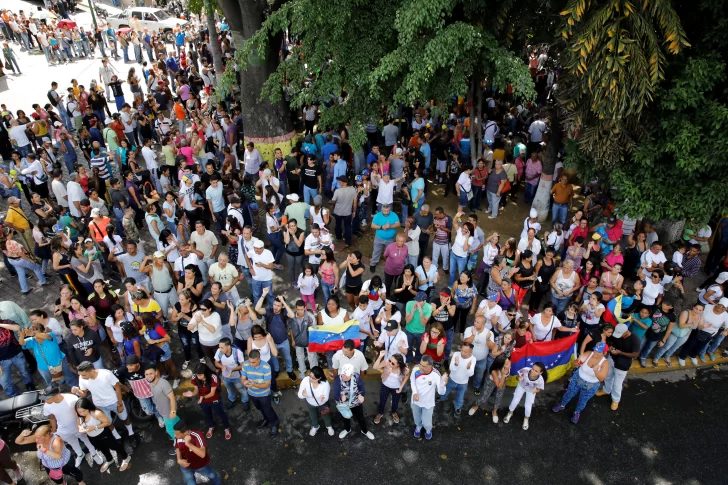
[307,284]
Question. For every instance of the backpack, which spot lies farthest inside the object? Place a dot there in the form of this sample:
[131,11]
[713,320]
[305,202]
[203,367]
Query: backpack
[235,355]
[68,111]
[51,98]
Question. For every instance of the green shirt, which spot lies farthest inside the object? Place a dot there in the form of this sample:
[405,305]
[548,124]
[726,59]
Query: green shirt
[417,325]
[297,211]
[65,221]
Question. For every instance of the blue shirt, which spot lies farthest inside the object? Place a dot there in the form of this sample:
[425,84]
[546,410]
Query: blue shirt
[320,141]
[262,373]
[417,184]
[380,220]
[465,147]
[327,150]
[427,153]
[172,64]
[309,148]
[371,158]
[180,39]
[339,170]
[215,195]
[46,354]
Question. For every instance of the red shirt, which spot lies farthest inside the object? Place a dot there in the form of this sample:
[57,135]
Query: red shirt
[204,388]
[198,440]
[431,349]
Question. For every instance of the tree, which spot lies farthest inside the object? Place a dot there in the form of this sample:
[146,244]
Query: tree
[209,7]
[267,123]
[384,53]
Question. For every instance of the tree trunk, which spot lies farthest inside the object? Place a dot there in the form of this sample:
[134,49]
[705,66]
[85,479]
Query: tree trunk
[471,112]
[475,136]
[214,41]
[267,124]
[542,200]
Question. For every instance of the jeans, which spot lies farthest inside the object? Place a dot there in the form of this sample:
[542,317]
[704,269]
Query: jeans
[216,406]
[295,266]
[530,192]
[264,404]
[10,64]
[257,287]
[614,380]
[149,407]
[378,247]
[384,393]
[714,344]
[493,203]
[22,265]
[309,194]
[6,377]
[189,339]
[673,343]
[422,417]
[413,343]
[125,52]
[206,471]
[459,392]
[647,348]
[48,56]
[449,334]
[285,349]
[327,289]
[404,214]
[457,265]
[343,222]
[558,213]
[301,358]
[439,250]
[276,241]
[68,376]
[584,389]
[119,100]
[480,367]
[559,302]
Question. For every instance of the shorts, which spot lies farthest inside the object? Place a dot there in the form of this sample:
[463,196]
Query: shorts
[353,290]
[107,410]
[442,165]
[167,353]
[463,198]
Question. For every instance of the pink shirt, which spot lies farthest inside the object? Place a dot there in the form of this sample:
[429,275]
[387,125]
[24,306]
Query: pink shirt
[533,169]
[187,152]
[396,259]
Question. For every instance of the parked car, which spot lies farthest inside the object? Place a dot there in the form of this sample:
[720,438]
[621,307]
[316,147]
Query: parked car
[149,18]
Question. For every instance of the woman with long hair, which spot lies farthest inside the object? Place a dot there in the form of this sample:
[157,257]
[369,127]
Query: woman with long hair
[530,382]
[328,272]
[95,424]
[182,314]
[394,375]
[465,296]
[496,381]
[315,389]
[545,269]
[262,341]
[207,387]
[585,382]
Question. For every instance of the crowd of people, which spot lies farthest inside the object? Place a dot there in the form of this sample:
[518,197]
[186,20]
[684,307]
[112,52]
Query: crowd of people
[163,195]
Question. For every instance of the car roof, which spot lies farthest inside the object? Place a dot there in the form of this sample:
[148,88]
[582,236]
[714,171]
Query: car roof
[145,9]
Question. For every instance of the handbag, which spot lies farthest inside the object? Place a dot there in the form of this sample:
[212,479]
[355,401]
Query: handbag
[55,474]
[345,408]
[56,371]
[324,409]
[703,336]
[506,187]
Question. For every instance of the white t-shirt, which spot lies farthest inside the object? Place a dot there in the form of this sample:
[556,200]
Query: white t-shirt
[392,344]
[649,258]
[480,342]
[59,190]
[17,133]
[65,413]
[490,313]
[55,328]
[101,388]
[224,276]
[651,292]
[460,373]
[116,329]
[75,194]
[181,262]
[544,333]
[535,248]
[150,158]
[374,305]
[536,130]
[704,232]
[206,337]
[716,295]
[274,182]
[261,273]
[458,246]
[714,323]
[529,225]
[204,243]
[127,122]
[245,247]
[228,361]
[357,360]
[386,192]
[526,383]
[363,317]
[465,182]
[312,243]
[320,393]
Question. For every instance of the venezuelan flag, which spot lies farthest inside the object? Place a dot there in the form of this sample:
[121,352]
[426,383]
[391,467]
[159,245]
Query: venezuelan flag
[324,338]
[556,355]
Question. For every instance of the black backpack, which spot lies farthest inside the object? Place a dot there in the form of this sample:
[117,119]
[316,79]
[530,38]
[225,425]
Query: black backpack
[51,98]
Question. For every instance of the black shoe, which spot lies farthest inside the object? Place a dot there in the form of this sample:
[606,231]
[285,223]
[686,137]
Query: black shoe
[262,424]
[274,431]
[246,406]
[292,376]
[172,451]
[134,441]
[372,268]
[230,405]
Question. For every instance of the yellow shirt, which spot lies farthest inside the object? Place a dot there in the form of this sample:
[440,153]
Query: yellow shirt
[17,218]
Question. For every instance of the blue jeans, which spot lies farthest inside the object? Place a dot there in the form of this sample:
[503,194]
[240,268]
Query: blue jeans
[449,334]
[285,349]
[327,290]
[309,194]
[457,265]
[22,265]
[405,213]
[493,203]
[559,302]
[673,343]
[6,377]
[559,212]
[413,342]
[125,51]
[276,241]
[119,100]
[257,287]
[530,192]
[647,348]
[233,383]
[459,393]
[475,201]
[584,389]
[422,417]
[68,376]
[714,344]
[480,368]
[148,407]
[206,471]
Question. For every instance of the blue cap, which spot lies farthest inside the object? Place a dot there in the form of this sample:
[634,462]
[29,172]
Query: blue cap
[365,172]
[599,347]
[358,178]
[493,297]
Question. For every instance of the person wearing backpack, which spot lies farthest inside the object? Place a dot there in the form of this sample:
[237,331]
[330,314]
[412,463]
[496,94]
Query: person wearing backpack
[229,359]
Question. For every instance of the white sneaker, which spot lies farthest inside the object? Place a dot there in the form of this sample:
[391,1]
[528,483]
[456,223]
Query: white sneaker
[363,224]
[330,430]
[368,434]
[525,424]
[98,459]
[507,419]
[694,360]
[125,464]
[472,411]
[681,362]
[203,361]
[186,363]
[495,418]
[105,466]
[79,460]
[343,434]
[161,422]
[313,432]
[175,385]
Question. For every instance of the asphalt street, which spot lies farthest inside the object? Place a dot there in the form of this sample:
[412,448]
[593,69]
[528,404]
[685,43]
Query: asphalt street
[668,430]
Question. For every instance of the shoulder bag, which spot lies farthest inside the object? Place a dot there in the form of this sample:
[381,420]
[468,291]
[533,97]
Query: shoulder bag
[345,407]
[324,409]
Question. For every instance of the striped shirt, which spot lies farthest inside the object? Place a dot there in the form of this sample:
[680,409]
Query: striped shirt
[262,373]
[52,463]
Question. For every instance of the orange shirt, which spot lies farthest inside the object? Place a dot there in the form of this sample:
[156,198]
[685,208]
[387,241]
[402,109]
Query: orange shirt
[562,194]
[179,111]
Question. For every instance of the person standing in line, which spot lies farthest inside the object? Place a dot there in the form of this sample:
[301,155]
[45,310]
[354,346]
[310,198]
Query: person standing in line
[624,346]
[425,381]
[164,400]
[462,368]
[256,375]
[530,382]
[192,456]
[349,391]
[315,389]
[207,387]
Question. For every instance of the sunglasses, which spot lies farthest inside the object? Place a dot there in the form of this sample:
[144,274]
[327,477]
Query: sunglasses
[655,276]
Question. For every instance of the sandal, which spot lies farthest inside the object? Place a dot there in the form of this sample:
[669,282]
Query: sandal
[655,362]
[668,362]
[209,433]
[378,419]
[395,418]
